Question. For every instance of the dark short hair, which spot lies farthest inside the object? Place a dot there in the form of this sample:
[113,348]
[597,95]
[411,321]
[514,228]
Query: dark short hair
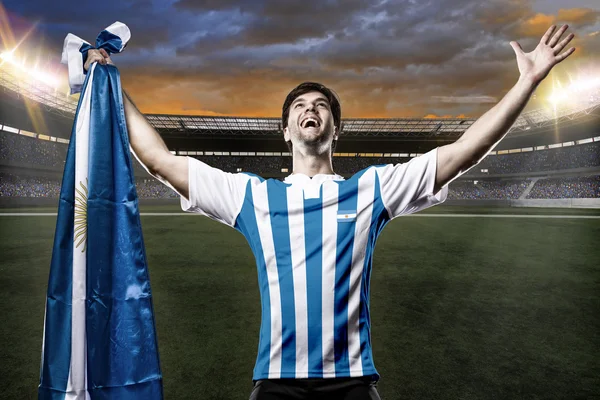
[303,88]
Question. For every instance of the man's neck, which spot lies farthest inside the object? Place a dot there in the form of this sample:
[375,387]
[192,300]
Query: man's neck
[312,165]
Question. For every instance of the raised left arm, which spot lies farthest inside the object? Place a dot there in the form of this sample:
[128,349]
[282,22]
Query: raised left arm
[457,158]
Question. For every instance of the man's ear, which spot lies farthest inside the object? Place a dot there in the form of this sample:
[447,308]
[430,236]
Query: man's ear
[286,134]
[335,133]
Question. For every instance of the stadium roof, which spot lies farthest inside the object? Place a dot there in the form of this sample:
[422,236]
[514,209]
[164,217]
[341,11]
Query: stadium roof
[190,126]
[350,126]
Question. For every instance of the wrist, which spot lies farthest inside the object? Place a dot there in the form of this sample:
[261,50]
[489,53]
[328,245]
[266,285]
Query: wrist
[528,82]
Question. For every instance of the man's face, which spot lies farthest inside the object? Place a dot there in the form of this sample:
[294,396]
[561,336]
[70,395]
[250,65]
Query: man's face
[310,122]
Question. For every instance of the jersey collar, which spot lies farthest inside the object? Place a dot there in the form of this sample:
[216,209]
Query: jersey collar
[319,178]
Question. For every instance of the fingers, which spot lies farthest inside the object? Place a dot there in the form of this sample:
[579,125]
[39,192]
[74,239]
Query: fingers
[93,56]
[563,43]
[547,35]
[565,55]
[106,56]
[100,56]
[557,35]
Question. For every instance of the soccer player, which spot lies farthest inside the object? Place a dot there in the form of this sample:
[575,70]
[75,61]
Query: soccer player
[313,233]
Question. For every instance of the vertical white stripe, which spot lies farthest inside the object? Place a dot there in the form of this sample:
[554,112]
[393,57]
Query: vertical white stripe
[76,385]
[295,205]
[330,199]
[263,220]
[364,209]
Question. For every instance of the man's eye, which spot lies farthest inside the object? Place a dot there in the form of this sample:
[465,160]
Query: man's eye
[323,104]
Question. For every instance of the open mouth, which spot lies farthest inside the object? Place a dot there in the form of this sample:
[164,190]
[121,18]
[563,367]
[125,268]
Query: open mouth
[310,122]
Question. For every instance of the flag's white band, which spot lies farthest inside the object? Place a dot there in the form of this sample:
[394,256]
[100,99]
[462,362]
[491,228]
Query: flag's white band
[74,60]
[122,31]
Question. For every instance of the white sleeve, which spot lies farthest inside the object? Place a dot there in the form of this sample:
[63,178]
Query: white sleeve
[214,193]
[407,188]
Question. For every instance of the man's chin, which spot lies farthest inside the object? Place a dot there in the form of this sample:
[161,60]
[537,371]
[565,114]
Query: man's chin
[311,131]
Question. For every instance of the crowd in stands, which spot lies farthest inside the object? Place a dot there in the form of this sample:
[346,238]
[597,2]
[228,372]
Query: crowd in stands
[32,151]
[487,189]
[581,187]
[490,189]
[23,150]
[26,186]
[153,189]
[579,156]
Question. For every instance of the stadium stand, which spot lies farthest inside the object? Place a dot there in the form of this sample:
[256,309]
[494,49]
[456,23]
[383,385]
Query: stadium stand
[24,149]
[153,189]
[580,187]
[487,189]
[25,186]
[580,156]
[33,155]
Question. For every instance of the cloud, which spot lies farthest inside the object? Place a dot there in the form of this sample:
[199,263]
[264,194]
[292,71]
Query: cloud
[269,22]
[385,58]
[579,16]
[86,19]
[536,25]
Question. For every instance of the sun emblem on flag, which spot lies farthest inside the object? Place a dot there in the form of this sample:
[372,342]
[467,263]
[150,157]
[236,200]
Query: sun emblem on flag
[81,215]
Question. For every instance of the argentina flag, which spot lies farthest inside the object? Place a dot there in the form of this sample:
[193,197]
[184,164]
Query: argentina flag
[99,333]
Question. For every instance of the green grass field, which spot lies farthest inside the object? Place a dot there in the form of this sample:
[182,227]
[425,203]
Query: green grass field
[462,308]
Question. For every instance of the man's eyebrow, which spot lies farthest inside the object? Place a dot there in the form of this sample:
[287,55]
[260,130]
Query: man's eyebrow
[320,98]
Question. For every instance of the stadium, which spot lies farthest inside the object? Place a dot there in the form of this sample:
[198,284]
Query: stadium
[496,295]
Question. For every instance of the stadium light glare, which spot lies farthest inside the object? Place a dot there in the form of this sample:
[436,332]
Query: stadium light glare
[557,98]
[7,55]
[573,93]
[34,73]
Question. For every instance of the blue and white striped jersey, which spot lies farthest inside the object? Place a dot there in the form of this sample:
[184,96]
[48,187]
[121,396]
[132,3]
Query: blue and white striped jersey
[313,240]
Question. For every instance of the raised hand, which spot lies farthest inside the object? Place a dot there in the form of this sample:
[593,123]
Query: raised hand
[94,55]
[537,64]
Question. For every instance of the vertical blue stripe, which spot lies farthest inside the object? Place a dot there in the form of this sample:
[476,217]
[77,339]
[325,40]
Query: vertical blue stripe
[379,219]
[313,239]
[122,348]
[277,195]
[347,200]
[247,225]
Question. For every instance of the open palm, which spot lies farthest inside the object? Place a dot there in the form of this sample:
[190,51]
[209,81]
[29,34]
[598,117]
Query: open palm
[538,63]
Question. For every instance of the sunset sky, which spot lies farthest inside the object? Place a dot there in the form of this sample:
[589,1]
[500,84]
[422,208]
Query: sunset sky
[384,58]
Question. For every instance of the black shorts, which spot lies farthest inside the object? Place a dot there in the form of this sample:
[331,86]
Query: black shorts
[318,389]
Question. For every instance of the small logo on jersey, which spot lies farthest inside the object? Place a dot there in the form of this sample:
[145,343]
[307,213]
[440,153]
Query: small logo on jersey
[346,215]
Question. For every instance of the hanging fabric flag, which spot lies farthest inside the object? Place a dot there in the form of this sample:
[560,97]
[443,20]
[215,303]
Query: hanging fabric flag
[99,332]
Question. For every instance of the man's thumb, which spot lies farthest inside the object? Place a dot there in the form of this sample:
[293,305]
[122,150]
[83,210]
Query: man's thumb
[516,47]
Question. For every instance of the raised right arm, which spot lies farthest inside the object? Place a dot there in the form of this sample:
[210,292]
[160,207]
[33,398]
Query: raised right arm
[152,152]
[147,145]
